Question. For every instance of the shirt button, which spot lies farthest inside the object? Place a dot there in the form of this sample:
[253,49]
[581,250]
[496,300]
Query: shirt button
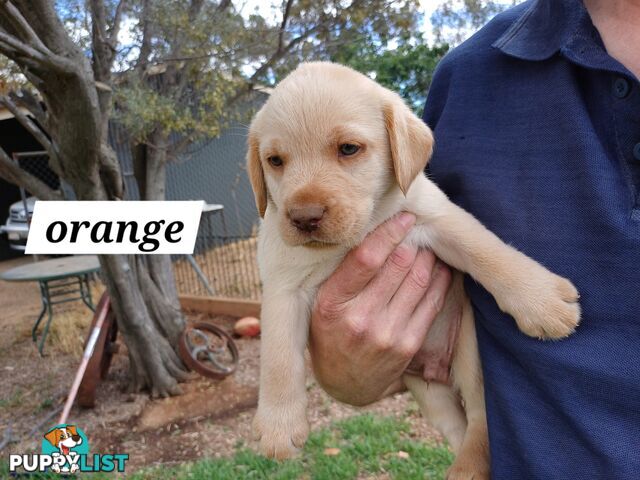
[621,87]
[636,151]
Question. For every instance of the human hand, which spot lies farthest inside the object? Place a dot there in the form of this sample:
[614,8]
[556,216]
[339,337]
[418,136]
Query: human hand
[372,314]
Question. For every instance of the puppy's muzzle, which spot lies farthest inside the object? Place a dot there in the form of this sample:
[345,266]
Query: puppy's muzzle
[307,218]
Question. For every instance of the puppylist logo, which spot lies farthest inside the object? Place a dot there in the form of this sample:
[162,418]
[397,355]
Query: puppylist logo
[65,450]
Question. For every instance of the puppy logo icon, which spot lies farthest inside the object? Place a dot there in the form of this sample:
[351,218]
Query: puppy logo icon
[67,443]
[65,450]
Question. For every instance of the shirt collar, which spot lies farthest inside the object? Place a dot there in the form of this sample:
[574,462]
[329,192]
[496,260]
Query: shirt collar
[544,28]
[547,27]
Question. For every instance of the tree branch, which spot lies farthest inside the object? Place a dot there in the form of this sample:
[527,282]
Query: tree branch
[110,173]
[278,54]
[222,6]
[38,134]
[26,122]
[11,172]
[283,25]
[113,32]
[145,45]
[31,103]
[103,51]
[22,26]
[23,53]
[175,73]
[281,50]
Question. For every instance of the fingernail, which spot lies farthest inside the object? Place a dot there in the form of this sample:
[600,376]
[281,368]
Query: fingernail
[406,220]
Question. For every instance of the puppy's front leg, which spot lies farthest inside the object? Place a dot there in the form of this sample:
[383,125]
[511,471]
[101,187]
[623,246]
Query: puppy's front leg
[281,421]
[543,304]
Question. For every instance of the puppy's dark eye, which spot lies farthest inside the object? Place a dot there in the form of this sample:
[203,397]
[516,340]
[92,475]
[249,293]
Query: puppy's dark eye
[348,149]
[275,160]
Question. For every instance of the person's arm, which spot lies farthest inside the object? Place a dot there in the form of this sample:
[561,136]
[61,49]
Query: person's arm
[372,314]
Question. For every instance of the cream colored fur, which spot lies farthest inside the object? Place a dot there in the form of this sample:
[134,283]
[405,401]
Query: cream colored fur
[310,113]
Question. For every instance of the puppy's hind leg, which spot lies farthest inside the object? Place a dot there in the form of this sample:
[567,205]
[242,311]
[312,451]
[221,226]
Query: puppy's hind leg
[464,427]
[441,406]
[472,460]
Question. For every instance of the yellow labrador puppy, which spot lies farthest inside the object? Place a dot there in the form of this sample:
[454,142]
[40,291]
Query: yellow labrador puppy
[332,154]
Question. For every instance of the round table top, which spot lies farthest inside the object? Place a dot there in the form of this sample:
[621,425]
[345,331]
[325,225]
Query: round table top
[53,269]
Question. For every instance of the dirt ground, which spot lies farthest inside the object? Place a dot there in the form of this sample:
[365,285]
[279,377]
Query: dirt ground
[211,419]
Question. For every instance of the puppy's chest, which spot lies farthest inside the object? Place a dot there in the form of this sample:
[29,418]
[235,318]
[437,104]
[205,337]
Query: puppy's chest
[295,268]
[309,274]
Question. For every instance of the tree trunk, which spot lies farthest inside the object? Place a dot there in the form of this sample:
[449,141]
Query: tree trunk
[146,298]
[154,364]
[78,104]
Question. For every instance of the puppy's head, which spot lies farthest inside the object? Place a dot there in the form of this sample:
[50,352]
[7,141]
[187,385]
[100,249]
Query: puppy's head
[65,436]
[326,147]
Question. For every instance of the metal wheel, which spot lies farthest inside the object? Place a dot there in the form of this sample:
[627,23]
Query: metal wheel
[208,350]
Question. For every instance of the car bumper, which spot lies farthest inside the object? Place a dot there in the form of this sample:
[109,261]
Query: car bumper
[17,235]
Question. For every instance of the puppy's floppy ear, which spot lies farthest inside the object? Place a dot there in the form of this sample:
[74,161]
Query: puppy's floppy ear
[256,174]
[410,139]
[53,437]
[72,429]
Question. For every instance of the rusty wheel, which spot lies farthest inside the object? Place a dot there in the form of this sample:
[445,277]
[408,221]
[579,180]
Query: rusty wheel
[208,350]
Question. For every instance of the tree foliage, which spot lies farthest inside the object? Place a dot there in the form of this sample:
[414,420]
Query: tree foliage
[406,69]
[454,20]
[185,70]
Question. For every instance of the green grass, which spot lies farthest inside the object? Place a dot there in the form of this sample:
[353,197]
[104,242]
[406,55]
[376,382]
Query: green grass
[368,444]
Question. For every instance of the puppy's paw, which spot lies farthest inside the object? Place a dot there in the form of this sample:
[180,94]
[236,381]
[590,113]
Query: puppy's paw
[546,305]
[282,432]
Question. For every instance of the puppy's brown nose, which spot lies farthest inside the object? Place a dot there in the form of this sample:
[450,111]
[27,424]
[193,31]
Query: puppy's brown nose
[306,219]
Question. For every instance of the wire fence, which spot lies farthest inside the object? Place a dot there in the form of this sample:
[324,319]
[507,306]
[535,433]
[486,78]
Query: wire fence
[37,164]
[213,170]
[222,264]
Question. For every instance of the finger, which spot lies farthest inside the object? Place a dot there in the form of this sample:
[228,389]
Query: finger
[431,303]
[384,285]
[413,287]
[361,264]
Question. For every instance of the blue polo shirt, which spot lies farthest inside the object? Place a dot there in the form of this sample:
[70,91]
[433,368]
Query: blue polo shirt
[538,135]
